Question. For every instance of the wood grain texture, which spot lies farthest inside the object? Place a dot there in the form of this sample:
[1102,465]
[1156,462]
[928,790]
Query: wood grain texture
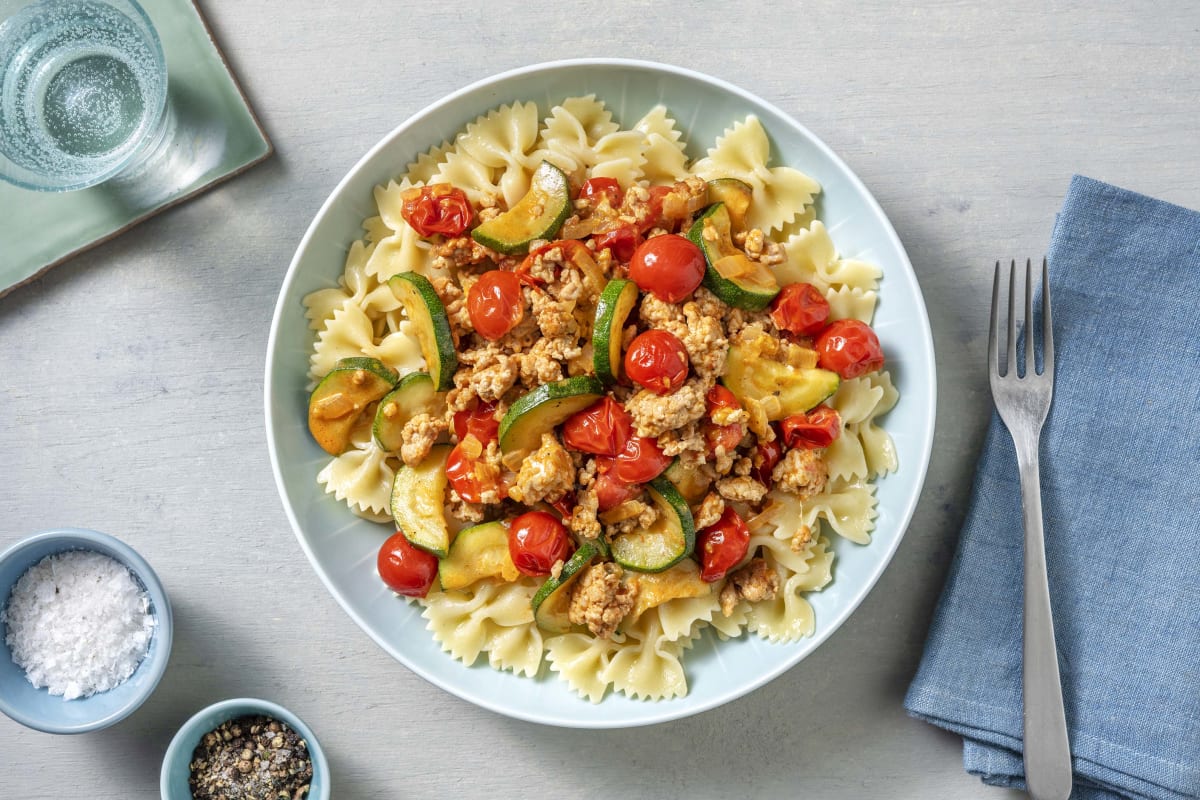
[132,384]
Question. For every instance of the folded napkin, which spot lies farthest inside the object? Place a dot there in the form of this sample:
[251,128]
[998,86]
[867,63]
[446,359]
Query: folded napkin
[1121,494]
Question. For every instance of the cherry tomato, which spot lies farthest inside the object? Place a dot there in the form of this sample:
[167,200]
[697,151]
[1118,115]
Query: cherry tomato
[406,569]
[655,216]
[480,422]
[611,491]
[641,460]
[816,429]
[462,474]
[722,545]
[669,266]
[766,456]
[536,541]
[622,240]
[495,303]
[601,428]
[799,308]
[439,208]
[595,188]
[658,361]
[849,347]
[728,436]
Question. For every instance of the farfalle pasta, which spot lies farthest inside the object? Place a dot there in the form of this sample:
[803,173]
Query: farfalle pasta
[610,398]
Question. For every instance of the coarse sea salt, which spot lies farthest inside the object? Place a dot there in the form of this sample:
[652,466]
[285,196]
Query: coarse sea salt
[78,623]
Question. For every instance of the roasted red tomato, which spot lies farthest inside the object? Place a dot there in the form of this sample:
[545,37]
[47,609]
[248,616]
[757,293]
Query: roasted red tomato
[438,208]
[602,428]
[766,456]
[470,478]
[727,435]
[641,460]
[611,491]
[623,240]
[849,347]
[406,569]
[658,361]
[722,545]
[596,188]
[670,267]
[495,303]
[799,308]
[816,429]
[536,541]
[480,421]
[655,216]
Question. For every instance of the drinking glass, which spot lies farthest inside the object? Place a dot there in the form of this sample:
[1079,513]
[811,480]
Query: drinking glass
[83,91]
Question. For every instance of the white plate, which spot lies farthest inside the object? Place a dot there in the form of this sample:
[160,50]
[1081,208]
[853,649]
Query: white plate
[342,548]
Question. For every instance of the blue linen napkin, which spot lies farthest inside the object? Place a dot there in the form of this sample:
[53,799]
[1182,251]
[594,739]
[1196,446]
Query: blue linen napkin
[1121,495]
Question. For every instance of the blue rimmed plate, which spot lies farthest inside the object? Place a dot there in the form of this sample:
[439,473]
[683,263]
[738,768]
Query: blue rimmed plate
[342,548]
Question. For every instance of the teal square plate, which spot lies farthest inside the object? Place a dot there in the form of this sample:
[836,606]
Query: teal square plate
[217,137]
[342,548]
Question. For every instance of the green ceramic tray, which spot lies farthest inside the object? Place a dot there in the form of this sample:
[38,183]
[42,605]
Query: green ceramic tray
[217,137]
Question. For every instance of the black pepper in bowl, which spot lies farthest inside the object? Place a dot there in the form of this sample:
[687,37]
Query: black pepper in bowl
[251,758]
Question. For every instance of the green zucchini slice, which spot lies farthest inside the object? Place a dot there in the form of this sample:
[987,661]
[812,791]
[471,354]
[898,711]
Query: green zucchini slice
[730,274]
[616,301]
[544,409]
[418,502]
[341,397]
[412,396]
[798,389]
[537,215]
[553,599]
[478,552]
[431,325]
[670,539]
[736,195]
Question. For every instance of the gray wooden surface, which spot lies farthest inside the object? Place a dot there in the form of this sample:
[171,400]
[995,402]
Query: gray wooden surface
[132,376]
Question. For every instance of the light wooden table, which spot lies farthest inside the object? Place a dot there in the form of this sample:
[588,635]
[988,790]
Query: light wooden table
[131,380]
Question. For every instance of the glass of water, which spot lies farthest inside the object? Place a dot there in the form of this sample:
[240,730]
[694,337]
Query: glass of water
[83,91]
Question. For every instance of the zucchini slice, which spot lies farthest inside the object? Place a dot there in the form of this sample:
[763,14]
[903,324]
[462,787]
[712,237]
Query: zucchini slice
[341,397]
[736,195]
[797,388]
[418,502]
[616,301]
[655,588]
[478,552]
[537,215]
[431,325]
[412,396]
[544,409]
[669,540]
[730,274]
[693,484]
[553,599]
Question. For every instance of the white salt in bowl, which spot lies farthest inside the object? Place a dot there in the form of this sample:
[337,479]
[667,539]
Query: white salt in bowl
[37,708]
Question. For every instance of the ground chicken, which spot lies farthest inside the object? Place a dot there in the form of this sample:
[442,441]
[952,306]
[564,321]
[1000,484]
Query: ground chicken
[462,251]
[583,521]
[653,415]
[705,342]
[741,489]
[802,472]
[486,372]
[601,599]
[754,582]
[689,437]
[663,316]
[630,516]
[460,509]
[547,474]
[801,539]
[418,436]
[710,510]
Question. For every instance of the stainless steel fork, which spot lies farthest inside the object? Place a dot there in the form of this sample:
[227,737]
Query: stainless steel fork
[1023,401]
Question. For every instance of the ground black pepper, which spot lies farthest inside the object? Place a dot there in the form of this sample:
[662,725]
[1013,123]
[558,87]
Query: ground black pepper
[251,758]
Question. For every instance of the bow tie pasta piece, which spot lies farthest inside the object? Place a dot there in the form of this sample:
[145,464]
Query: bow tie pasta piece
[362,478]
[503,140]
[666,161]
[743,152]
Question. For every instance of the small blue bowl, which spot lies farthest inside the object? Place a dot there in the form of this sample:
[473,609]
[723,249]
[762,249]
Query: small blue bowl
[37,708]
[176,767]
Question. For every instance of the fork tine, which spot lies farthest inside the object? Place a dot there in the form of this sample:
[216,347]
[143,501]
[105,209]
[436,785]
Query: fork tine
[1030,359]
[1047,324]
[1011,350]
[993,355]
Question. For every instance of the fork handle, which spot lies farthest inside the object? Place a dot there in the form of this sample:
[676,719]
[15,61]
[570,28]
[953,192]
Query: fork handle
[1047,750]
